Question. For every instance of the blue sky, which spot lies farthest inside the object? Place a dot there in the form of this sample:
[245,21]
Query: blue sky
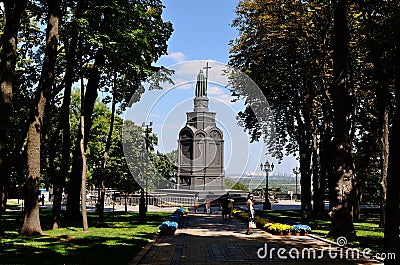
[167,110]
[202,31]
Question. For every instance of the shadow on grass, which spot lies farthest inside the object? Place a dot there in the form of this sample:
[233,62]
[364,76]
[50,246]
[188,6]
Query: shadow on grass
[369,235]
[64,250]
[117,243]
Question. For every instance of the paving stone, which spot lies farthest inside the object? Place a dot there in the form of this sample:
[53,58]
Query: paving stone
[209,240]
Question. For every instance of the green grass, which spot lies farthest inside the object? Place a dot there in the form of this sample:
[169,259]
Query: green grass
[116,243]
[369,234]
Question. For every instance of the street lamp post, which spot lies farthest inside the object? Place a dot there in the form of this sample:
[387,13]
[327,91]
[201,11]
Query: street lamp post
[99,168]
[142,205]
[147,133]
[267,167]
[296,171]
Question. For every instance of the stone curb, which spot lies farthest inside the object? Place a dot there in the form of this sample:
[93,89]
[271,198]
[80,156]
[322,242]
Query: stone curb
[139,256]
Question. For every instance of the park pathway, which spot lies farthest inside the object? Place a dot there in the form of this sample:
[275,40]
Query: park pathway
[208,239]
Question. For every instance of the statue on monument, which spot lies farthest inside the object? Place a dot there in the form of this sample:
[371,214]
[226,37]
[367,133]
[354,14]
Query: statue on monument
[201,85]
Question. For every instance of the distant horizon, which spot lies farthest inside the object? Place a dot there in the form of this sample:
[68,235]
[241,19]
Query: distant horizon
[262,175]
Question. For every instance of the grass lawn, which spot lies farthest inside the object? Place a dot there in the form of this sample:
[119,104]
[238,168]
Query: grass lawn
[116,243]
[369,235]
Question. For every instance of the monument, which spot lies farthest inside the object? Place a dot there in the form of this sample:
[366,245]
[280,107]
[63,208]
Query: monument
[201,145]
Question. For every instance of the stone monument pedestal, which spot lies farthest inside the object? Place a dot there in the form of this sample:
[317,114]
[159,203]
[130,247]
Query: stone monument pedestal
[201,146]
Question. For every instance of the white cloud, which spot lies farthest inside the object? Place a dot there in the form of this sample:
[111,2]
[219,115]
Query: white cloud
[177,57]
[168,127]
[189,71]
[214,90]
[184,84]
[154,115]
[225,99]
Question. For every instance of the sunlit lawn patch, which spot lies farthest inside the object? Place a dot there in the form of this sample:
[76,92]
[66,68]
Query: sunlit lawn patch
[117,243]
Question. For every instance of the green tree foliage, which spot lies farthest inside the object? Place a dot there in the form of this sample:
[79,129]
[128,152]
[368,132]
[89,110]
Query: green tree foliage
[97,141]
[282,46]
[109,45]
[141,36]
[235,185]
[11,12]
[151,170]
[293,53]
[166,165]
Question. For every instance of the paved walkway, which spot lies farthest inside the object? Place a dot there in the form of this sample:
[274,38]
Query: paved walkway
[208,239]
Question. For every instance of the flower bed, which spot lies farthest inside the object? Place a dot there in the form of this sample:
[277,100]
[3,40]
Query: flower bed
[175,221]
[278,228]
[168,227]
[301,229]
[274,227]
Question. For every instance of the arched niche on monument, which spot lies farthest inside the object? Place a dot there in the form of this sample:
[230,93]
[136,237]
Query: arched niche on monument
[186,146]
[185,135]
[199,148]
[215,134]
[200,135]
[215,149]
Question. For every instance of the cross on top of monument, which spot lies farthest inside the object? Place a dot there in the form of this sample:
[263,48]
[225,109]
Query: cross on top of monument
[201,84]
[207,67]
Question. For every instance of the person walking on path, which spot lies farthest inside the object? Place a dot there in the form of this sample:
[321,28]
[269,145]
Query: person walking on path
[224,206]
[208,205]
[196,204]
[250,210]
[230,206]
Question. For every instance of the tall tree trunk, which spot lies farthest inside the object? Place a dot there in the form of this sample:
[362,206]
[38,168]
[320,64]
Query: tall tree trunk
[83,155]
[324,162]
[391,233]
[318,187]
[384,101]
[383,97]
[303,138]
[327,153]
[342,212]
[305,182]
[326,150]
[59,182]
[103,175]
[31,225]
[13,11]
[83,184]
[384,160]
[358,193]
[59,179]
[74,187]
[73,212]
[126,202]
